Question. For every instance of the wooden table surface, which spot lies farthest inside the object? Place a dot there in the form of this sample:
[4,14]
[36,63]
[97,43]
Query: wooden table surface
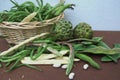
[108,71]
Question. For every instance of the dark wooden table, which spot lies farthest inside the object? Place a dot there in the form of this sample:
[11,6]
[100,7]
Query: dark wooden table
[108,71]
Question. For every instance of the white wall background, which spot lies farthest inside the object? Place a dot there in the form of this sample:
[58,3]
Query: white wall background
[100,14]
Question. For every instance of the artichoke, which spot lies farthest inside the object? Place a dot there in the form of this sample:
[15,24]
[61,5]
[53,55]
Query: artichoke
[83,30]
[62,30]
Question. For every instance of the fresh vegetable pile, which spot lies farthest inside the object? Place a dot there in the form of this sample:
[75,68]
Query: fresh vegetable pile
[42,12]
[45,49]
[63,45]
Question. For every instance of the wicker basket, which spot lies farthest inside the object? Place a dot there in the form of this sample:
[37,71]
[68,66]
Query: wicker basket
[17,32]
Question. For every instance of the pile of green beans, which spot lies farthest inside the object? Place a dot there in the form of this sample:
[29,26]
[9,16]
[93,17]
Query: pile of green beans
[16,58]
[13,60]
[78,48]
[19,11]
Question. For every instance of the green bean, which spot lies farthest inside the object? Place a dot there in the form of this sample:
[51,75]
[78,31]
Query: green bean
[14,57]
[86,43]
[39,52]
[47,6]
[24,53]
[47,17]
[31,47]
[29,66]
[42,41]
[98,39]
[71,57]
[40,3]
[14,65]
[70,60]
[56,6]
[4,16]
[46,41]
[7,64]
[44,9]
[88,59]
[32,52]
[114,57]
[62,8]
[30,6]
[15,3]
[40,16]
[101,43]
[59,11]
[33,67]
[44,12]
[9,59]
[78,47]
[49,14]
[102,50]
[94,39]
[21,14]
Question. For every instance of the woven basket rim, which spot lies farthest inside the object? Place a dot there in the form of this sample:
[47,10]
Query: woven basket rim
[25,26]
[30,25]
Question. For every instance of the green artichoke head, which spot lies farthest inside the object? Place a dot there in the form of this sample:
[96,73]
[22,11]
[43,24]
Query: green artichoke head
[83,30]
[62,30]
